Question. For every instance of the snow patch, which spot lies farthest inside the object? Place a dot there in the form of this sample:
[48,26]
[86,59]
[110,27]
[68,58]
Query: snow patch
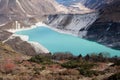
[18,28]
[38,47]
[22,37]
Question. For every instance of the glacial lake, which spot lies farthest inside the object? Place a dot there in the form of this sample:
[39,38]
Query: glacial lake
[58,42]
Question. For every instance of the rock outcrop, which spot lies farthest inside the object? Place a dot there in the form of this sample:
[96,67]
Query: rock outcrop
[72,23]
[106,29]
[22,46]
[4,35]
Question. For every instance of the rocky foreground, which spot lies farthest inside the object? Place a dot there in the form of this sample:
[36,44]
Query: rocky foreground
[16,66]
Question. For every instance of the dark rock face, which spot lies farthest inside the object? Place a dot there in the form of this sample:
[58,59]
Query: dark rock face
[4,35]
[107,33]
[97,4]
[21,46]
[110,12]
[106,30]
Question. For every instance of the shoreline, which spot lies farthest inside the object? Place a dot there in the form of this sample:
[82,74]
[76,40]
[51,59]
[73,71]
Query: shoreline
[37,46]
[21,29]
[60,31]
[40,24]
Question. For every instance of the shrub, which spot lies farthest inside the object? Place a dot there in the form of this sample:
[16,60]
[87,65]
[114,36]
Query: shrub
[97,57]
[95,79]
[40,59]
[114,77]
[78,64]
[69,72]
[70,64]
[116,63]
[9,67]
[88,73]
[36,70]
[62,56]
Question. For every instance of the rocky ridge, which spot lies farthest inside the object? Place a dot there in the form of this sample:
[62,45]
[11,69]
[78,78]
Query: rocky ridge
[106,29]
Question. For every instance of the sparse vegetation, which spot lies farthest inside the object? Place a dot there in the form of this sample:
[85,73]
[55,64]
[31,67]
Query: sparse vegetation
[78,64]
[84,67]
[114,77]
[9,66]
[41,59]
[62,56]
[59,66]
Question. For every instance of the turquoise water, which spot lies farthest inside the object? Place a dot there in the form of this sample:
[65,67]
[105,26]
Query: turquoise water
[58,42]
